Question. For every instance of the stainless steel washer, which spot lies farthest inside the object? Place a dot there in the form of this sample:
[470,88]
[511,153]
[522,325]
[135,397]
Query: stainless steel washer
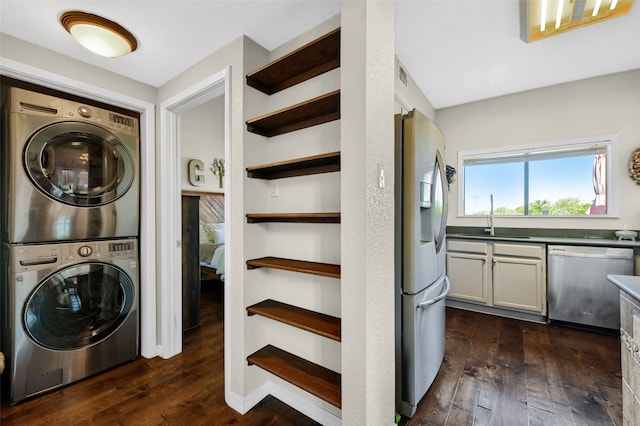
[70,311]
[71,171]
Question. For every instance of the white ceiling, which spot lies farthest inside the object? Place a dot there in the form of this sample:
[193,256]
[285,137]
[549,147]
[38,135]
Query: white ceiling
[457,51]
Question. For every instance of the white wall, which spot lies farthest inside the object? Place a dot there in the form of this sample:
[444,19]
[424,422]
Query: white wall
[596,106]
[202,138]
[368,358]
[231,55]
[43,59]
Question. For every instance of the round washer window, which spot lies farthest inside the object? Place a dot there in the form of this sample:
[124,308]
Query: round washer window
[78,306]
[79,163]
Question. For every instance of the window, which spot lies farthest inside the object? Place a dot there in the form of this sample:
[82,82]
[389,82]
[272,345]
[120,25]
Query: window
[565,178]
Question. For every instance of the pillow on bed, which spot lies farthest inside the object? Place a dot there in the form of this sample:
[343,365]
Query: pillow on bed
[211,233]
[218,236]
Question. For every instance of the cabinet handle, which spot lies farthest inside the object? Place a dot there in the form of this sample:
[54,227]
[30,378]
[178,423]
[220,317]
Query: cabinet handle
[438,298]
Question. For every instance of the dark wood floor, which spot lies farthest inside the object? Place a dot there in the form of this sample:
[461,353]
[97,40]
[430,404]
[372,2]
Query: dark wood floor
[499,371]
[187,389]
[496,371]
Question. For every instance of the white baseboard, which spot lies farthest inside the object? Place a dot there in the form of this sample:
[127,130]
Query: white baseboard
[236,402]
[319,414]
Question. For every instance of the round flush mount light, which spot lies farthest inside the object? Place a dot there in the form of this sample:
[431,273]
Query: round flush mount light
[99,34]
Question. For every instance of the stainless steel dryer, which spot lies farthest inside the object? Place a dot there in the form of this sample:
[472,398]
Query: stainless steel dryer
[71,171]
[70,311]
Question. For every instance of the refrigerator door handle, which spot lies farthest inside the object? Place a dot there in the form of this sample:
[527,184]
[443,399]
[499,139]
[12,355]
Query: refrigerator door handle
[438,298]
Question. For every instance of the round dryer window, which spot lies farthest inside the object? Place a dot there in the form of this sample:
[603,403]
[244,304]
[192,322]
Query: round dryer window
[78,306]
[79,163]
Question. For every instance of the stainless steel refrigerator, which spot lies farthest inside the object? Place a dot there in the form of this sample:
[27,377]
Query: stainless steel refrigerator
[421,193]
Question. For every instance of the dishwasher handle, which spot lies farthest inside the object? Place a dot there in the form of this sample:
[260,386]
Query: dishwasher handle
[439,297]
[590,255]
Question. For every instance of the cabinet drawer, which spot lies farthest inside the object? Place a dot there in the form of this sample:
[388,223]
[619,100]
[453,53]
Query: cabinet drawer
[468,246]
[535,251]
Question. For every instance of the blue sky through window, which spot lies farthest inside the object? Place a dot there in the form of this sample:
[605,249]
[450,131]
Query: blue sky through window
[549,179]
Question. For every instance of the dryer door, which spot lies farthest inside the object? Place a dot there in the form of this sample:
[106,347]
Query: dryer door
[78,306]
[79,163]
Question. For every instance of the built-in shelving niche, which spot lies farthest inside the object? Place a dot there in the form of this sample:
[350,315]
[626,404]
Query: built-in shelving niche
[311,60]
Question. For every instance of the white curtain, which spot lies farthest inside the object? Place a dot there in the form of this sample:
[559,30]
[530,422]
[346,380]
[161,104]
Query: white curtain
[599,205]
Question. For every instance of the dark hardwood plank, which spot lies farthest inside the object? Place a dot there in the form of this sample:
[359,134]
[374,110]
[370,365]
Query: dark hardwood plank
[319,110]
[314,322]
[303,266]
[539,396]
[328,217]
[315,164]
[312,59]
[315,379]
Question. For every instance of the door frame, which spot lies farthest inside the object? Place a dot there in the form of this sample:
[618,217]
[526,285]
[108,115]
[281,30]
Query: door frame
[148,324]
[170,214]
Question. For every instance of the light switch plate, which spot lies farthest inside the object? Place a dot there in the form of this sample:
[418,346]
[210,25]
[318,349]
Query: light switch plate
[273,189]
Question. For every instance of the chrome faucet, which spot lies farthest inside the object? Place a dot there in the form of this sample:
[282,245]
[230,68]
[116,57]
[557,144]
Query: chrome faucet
[490,229]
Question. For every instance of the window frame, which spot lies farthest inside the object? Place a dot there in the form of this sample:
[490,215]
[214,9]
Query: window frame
[611,142]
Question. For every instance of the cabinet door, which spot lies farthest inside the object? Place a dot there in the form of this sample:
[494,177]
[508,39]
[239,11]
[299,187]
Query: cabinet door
[469,275]
[518,283]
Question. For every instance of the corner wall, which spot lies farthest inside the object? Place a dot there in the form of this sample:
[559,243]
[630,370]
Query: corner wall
[367,128]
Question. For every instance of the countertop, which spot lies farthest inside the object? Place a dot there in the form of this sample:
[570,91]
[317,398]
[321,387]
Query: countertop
[628,283]
[606,242]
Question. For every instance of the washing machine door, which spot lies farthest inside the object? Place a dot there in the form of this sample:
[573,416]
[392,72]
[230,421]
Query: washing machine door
[79,164]
[78,306]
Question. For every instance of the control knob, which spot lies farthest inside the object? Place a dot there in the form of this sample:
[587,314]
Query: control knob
[85,251]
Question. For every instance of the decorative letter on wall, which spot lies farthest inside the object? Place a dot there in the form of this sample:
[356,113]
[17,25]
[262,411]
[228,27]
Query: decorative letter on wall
[196,178]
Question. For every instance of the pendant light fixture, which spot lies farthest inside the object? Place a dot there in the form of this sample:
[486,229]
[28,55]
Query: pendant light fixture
[98,34]
[543,18]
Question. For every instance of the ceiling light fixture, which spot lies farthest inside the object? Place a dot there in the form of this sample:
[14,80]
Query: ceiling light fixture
[543,18]
[99,34]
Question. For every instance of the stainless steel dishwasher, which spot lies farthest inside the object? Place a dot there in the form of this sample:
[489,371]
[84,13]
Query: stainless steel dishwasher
[579,292]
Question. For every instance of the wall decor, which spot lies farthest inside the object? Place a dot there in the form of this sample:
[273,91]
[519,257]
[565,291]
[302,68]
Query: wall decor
[634,166]
[196,178]
[217,167]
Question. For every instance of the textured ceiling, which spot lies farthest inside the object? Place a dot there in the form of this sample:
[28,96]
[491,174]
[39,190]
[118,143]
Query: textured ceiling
[457,51]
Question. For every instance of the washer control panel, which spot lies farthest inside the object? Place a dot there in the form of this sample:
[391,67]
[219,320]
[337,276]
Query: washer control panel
[121,249]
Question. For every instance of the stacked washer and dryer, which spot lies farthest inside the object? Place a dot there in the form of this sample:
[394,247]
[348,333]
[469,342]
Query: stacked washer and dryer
[70,222]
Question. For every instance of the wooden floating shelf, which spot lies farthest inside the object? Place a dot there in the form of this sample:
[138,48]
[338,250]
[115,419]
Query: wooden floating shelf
[312,59]
[317,380]
[312,112]
[314,268]
[314,322]
[316,164]
[333,217]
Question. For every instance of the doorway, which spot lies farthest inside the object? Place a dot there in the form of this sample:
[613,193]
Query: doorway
[170,217]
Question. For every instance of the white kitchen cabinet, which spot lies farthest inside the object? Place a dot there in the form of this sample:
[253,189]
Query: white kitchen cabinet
[468,271]
[500,275]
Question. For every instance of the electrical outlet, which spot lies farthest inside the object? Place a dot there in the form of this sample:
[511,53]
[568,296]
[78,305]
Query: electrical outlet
[273,189]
